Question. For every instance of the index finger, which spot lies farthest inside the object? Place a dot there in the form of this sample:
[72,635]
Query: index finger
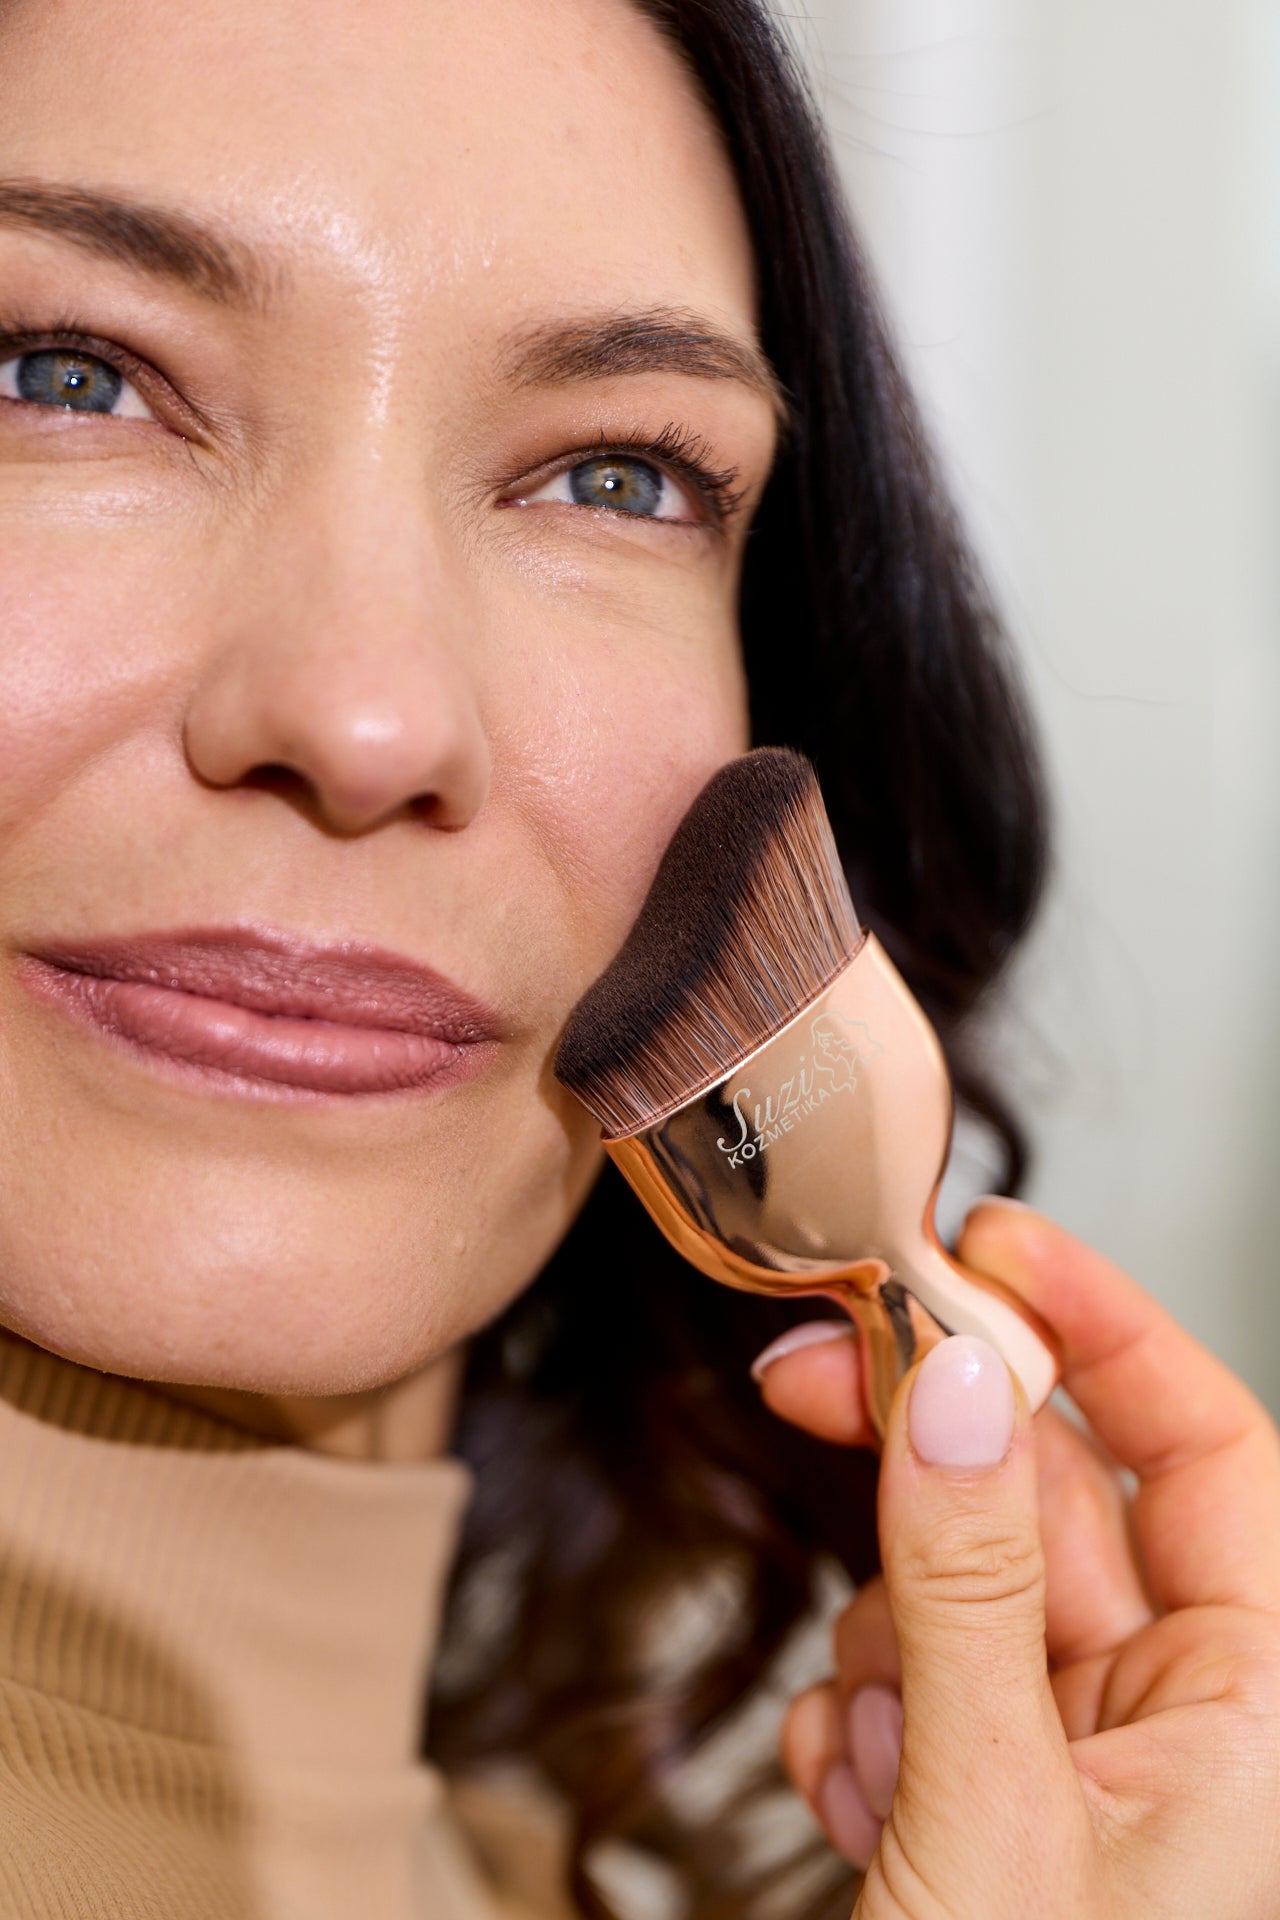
[1205,1450]
[812,1377]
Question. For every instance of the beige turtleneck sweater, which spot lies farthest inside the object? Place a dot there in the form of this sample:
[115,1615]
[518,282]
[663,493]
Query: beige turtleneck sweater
[213,1661]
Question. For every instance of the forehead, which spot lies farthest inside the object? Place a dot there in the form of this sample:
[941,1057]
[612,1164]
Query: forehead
[545,150]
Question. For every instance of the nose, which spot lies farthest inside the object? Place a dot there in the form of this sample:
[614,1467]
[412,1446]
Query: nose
[339,670]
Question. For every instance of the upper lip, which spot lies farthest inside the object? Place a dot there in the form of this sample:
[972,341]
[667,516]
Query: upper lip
[344,982]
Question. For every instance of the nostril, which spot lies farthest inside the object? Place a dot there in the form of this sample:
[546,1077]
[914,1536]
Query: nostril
[434,811]
[272,776]
[334,811]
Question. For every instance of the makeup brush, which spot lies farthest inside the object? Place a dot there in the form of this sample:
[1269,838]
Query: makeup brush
[768,1085]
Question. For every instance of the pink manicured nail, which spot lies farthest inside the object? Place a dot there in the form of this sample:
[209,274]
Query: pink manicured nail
[875,1744]
[962,1409]
[842,1808]
[810,1333]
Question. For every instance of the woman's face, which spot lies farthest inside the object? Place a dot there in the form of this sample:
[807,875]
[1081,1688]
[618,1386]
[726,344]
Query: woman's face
[320,627]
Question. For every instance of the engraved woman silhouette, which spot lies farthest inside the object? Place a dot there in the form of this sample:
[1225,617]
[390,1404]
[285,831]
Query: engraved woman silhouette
[840,1047]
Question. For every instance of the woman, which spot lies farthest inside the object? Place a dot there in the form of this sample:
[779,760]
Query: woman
[396,409]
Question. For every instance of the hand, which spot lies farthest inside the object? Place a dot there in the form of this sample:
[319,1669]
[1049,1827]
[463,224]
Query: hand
[1086,1690]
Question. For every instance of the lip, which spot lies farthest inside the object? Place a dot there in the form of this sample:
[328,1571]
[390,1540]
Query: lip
[269,1011]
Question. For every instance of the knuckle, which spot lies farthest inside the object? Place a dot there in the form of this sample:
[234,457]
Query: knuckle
[968,1565]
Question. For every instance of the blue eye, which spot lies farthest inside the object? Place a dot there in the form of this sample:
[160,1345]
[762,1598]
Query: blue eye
[71,381]
[628,486]
[622,483]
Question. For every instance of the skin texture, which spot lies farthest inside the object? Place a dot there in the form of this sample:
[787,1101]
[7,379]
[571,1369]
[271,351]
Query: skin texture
[1058,1700]
[313,648]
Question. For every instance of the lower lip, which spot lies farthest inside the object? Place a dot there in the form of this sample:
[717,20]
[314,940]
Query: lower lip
[248,1051]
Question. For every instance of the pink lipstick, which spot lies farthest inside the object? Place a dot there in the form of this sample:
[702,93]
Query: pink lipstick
[273,1012]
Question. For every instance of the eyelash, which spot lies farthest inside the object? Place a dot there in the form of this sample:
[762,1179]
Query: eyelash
[66,335]
[684,453]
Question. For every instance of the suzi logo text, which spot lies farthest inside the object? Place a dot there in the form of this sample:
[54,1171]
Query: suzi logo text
[837,1048]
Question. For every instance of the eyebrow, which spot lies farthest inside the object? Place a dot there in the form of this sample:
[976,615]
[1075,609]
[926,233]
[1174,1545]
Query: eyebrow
[157,240]
[172,245]
[656,340]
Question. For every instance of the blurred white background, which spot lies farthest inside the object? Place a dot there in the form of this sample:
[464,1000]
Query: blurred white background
[1075,213]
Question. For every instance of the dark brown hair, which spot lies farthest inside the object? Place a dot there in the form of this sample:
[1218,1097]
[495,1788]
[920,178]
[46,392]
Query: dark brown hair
[623,1459]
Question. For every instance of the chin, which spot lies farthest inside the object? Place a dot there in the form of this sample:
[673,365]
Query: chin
[287,1273]
[296,1326]
[290,1299]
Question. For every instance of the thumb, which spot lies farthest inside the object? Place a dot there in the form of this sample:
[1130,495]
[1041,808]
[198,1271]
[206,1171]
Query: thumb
[964,1569]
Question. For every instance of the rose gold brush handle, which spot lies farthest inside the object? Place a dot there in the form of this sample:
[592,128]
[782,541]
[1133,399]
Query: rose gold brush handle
[904,1310]
[813,1167]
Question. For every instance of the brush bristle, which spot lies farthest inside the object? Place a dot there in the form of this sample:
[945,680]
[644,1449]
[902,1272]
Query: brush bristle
[748,918]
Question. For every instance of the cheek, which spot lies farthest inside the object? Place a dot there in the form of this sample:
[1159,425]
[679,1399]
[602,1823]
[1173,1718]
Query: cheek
[619,729]
[80,642]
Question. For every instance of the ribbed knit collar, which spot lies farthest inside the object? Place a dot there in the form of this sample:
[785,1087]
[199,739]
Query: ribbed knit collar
[163,1568]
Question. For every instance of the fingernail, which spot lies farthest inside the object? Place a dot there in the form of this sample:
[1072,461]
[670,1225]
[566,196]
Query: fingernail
[810,1333]
[962,1409]
[842,1808]
[875,1744]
